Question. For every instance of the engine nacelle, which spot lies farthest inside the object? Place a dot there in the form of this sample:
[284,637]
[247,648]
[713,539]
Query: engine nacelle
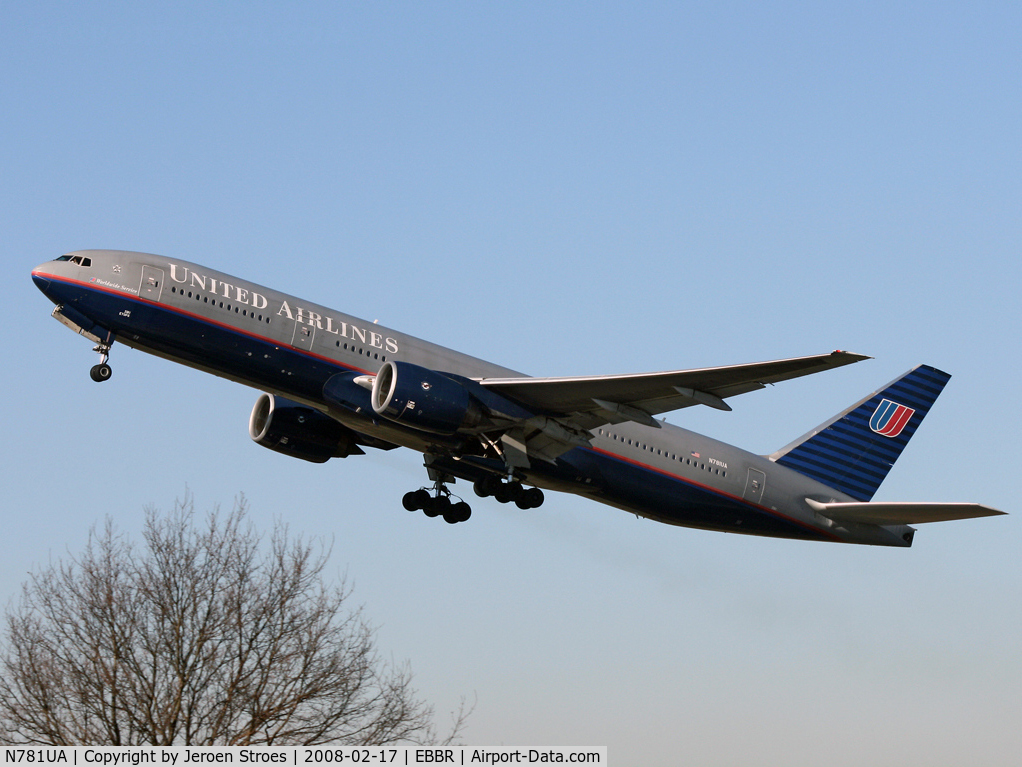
[423,399]
[302,432]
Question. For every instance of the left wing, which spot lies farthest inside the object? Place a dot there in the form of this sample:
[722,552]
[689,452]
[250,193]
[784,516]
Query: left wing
[640,396]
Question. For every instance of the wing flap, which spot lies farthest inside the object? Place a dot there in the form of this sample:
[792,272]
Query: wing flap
[879,513]
[655,393]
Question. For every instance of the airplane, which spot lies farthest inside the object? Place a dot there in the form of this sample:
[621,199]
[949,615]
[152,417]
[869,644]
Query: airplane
[334,385]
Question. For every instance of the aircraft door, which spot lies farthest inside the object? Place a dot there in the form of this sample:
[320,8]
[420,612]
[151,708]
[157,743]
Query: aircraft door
[152,283]
[303,336]
[755,484]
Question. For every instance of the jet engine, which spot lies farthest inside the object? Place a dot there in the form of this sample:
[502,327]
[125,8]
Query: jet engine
[423,399]
[302,432]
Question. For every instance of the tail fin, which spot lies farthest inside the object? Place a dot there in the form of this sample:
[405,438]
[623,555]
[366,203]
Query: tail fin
[854,450]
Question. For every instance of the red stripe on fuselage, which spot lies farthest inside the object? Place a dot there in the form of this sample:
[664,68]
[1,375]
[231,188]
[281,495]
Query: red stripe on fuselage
[198,317]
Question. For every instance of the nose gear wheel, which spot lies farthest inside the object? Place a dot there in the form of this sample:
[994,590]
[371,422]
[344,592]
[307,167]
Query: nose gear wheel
[102,371]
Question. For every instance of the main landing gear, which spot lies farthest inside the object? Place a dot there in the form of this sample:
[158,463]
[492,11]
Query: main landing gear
[439,505]
[507,492]
[102,371]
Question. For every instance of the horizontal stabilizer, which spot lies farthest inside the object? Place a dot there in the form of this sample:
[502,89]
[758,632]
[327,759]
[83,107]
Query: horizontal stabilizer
[901,513]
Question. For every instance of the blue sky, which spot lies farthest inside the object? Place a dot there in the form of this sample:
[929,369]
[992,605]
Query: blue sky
[563,189]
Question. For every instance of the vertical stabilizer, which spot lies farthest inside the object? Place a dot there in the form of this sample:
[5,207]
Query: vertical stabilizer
[854,450]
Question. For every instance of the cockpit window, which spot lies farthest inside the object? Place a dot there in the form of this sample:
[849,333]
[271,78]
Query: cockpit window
[80,260]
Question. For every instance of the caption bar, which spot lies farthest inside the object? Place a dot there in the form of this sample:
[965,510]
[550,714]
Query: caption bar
[174,756]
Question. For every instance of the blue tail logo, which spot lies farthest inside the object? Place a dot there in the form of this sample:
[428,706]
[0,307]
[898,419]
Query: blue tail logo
[890,418]
[854,450]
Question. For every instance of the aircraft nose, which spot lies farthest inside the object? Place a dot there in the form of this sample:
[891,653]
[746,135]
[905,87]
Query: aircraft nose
[40,279]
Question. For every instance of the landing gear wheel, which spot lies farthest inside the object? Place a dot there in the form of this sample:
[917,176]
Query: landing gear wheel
[439,506]
[415,500]
[101,372]
[530,499]
[509,491]
[460,512]
[486,486]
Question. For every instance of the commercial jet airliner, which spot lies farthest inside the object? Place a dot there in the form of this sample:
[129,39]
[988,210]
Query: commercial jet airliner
[335,385]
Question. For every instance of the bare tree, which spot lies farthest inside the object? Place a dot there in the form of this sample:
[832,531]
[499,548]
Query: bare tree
[198,639]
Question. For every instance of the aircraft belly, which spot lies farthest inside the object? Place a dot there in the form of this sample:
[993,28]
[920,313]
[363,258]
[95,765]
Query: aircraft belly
[675,500]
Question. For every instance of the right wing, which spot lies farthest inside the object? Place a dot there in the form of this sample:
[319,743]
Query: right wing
[566,409]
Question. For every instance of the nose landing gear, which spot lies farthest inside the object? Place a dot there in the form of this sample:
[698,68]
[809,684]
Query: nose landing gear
[102,371]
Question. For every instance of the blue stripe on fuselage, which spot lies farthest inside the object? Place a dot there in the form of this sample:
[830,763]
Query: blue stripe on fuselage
[235,351]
